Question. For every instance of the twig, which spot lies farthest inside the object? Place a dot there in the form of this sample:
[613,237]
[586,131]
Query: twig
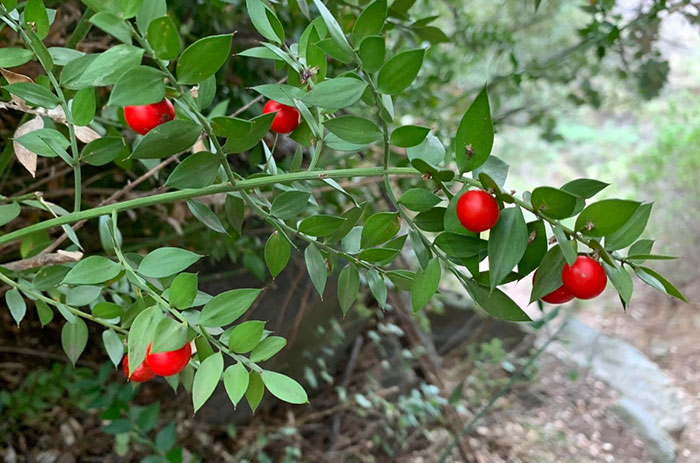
[42,260]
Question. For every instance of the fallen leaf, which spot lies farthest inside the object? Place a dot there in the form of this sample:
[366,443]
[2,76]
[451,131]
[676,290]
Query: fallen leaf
[26,157]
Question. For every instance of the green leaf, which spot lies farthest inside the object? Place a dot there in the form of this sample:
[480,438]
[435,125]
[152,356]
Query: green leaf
[536,247]
[397,74]
[409,135]
[584,187]
[103,150]
[432,220]
[106,310]
[419,199]
[281,93]
[36,18]
[255,391]
[74,338]
[372,52]
[507,244]
[166,437]
[44,311]
[236,382]
[548,276]
[34,94]
[337,93]
[354,129]
[284,388]
[246,336]
[62,56]
[379,228]
[92,270]
[113,346]
[167,139]
[141,85]
[316,266]
[203,58]
[83,107]
[331,48]
[474,139]
[231,127]
[141,334]
[333,27]
[631,230]
[205,215]
[320,225]
[658,282]
[567,248]
[377,287]
[348,287]
[170,335]
[82,295]
[206,379]
[265,21]
[496,303]
[163,38]
[9,212]
[15,302]
[641,247]
[183,291]
[13,57]
[42,53]
[196,171]
[553,203]
[277,253]
[425,284]
[621,280]
[46,142]
[267,348]
[370,21]
[493,168]
[259,127]
[431,150]
[113,25]
[228,306]
[605,217]
[166,261]
[460,246]
[289,204]
[150,10]
[103,69]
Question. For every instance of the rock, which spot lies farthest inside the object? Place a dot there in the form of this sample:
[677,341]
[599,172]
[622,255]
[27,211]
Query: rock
[658,442]
[649,401]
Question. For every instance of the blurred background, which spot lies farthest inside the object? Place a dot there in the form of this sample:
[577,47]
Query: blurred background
[597,88]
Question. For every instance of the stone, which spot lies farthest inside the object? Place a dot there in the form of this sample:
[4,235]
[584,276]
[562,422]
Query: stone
[649,401]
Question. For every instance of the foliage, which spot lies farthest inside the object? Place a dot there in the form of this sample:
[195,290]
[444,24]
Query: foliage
[347,71]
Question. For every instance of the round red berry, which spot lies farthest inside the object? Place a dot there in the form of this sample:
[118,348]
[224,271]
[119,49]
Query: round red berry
[169,363]
[477,211]
[141,374]
[287,118]
[585,279]
[558,296]
[144,118]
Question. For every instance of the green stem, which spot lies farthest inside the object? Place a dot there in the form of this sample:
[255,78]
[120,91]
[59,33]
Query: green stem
[182,195]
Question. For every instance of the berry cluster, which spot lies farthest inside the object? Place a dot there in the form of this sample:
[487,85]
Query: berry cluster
[160,363]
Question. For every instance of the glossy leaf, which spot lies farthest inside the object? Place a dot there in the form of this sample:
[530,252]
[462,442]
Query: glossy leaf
[553,203]
[99,70]
[419,199]
[377,287]
[9,212]
[13,57]
[227,307]
[15,302]
[265,21]
[103,150]
[372,52]
[460,246]
[206,379]
[425,284]
[255,391]
[496,303]
[658,282]
[354,129]
[289,204]
[507,244]
[605,217]
[203,58]
[113,346]
[183,291]
[622,281]
[92,270]
[167,139]
[141,334]
[284,388]
[83,106]
[169,335]
[267,348]
[277,253]
[196,171]
[380,228]
[316,266]
[205,215]
[370,21]
[320,225]
[348,287]
[246,336]
[74,337]
[236,382]
[631,230]
[337,93]
[474,139]
[113,25]
[141,85]
[166,261]
[548,278]
[536,248]
[34,94]
[164,39]
[584,187]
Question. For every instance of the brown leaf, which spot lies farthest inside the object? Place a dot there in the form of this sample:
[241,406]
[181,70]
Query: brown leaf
[12,78]
[24,156]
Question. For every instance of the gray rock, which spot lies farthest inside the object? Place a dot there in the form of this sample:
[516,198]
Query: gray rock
[649,400]
[658,442]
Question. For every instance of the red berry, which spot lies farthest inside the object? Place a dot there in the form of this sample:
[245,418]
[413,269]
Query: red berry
[477,211]
[169,363]
[141,374]
[144,118]
[558,296]
[585,279]
[287,118]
